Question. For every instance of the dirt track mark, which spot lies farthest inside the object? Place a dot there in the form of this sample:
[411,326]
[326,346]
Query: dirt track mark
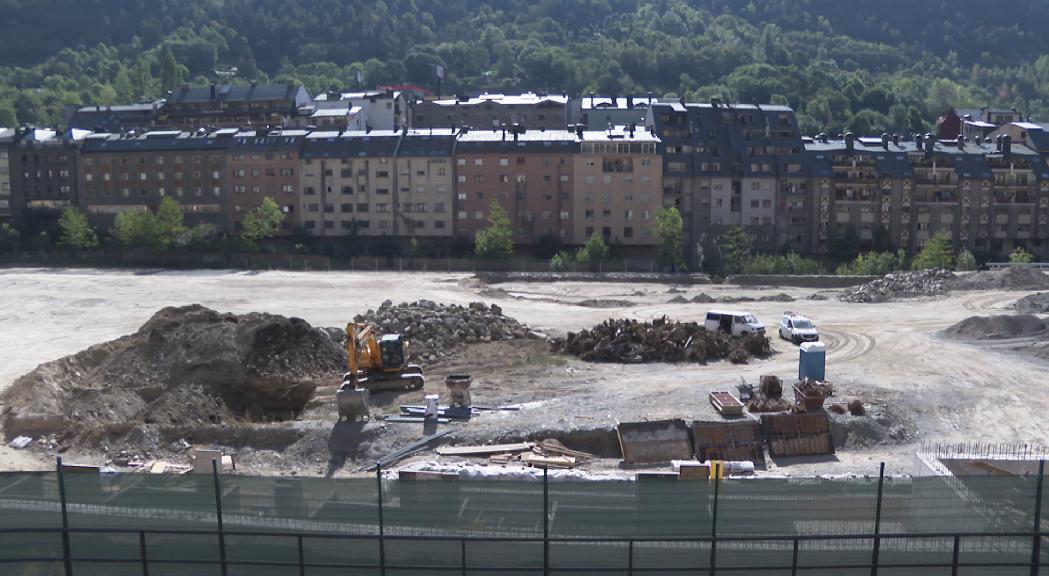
[845,346]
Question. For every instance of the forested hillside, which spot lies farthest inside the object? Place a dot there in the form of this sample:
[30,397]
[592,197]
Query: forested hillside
[865,65]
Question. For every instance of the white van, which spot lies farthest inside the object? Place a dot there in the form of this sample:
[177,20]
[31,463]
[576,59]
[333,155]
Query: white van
[735,323]
[798,329]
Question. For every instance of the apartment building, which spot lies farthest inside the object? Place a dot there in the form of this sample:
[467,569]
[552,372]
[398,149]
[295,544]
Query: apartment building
[43,175]
[529,172]
[379,109]
[121,118]
[602,112]
[424,191]
[232,106]
[133,172]
[264,164]
[494,111]
[7,137]
[989,198]
[727,165]
[618,187]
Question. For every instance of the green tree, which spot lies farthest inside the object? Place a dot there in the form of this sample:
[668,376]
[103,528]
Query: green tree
[170,71]
[790,264]
[1021,256]
[965,261]
[76,230]
[138,230]
[593,252]
[736,246]
[936,254]
[495,241]
[169,221]
[670,233]
[872,264]
[262,222]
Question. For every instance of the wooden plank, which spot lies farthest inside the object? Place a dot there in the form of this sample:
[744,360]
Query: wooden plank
[734,441]
[798,434]
[485,450]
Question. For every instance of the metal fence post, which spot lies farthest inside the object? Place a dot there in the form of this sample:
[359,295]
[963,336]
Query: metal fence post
[714,523]
[1036,550]
[66,554]
[218,510]
[955,554]
[877,522]
[382,530]
[462,554]
[302,557]
[546,521]
[630,558]
[142,553]
[794,561]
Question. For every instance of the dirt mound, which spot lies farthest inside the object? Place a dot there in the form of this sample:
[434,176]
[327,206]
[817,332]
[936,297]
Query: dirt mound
[604,303]
[185,366]
[1033,304]
[900,285]
[662,340]
[997,327]
[435,329]
[1006,279]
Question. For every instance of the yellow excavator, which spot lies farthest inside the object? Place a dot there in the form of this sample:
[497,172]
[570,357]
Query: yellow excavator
[379,362]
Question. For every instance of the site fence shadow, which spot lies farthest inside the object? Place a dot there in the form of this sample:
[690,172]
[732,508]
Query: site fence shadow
[64,523]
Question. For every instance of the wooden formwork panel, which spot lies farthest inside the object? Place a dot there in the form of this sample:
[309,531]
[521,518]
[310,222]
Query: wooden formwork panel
[738,441]
[798,434]
[654,442]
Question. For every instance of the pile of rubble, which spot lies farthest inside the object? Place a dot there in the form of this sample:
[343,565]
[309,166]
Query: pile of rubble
[1033,304]
[662,340]
[1015,278]
[933,282]
[704,298]
[435,329]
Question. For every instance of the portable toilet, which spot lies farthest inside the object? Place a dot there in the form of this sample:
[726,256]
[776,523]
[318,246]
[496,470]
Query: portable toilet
[812,364]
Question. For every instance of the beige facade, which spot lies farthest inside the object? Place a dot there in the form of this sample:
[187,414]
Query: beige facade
[618,188]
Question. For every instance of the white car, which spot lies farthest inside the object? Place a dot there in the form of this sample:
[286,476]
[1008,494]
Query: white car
[798,329]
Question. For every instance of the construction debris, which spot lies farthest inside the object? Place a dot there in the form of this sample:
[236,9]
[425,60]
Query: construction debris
[933,282]
[1033,304]
[435,329]
[998,327]
[768,397]
[662,340]
[21,442]
[856,408]
[1013,278]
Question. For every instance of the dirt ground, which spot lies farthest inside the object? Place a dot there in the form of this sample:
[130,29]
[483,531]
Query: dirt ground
[918,386]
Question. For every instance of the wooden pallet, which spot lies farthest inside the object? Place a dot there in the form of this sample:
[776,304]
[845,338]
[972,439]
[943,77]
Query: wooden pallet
[725,403]
[798,434]
[733,441]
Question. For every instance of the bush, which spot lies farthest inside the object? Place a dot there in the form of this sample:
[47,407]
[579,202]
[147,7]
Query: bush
[936,254]
[560,261]
[10,239]
[965,262]
[789,265]
[1021,256]
[872,264]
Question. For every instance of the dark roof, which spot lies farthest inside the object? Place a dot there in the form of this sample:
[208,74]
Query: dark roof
[115,118]
[528,141]
[241,93]
[377,143]
[436,142]
[152,142]
[261,140]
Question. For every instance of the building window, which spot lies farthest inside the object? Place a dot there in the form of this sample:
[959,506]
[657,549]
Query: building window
[362,208]
[347,189]
[628,232]
[288,188]
[478,161]
[479,215]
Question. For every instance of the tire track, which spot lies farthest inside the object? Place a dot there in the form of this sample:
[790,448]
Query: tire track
[846,346]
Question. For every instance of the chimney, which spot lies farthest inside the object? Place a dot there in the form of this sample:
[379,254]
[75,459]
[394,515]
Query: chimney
[961,142]
[919,141]
[516,134]
[633,127]
[850,141]
[998,143]
[1007,145]
[579,131]
[885,140]
[896,140]
[213,91]
[504,132]
[630,102]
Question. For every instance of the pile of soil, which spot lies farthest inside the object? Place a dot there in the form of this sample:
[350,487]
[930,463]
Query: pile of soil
[186,367]
[662,340]
[704,298]
[1006,279]
[604,303]
[997,327]
[1033,304]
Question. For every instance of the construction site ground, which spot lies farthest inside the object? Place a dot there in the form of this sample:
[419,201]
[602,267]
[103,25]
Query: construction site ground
[917,385]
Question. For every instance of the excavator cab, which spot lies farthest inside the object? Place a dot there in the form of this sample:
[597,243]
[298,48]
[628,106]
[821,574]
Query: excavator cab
[392,352]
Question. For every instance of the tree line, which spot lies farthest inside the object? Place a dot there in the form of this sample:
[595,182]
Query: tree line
[864,66]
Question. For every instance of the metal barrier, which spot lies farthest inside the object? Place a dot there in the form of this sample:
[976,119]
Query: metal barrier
[1014,509]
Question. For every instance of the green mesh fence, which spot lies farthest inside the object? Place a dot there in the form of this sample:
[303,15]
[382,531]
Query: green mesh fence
[669,522]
